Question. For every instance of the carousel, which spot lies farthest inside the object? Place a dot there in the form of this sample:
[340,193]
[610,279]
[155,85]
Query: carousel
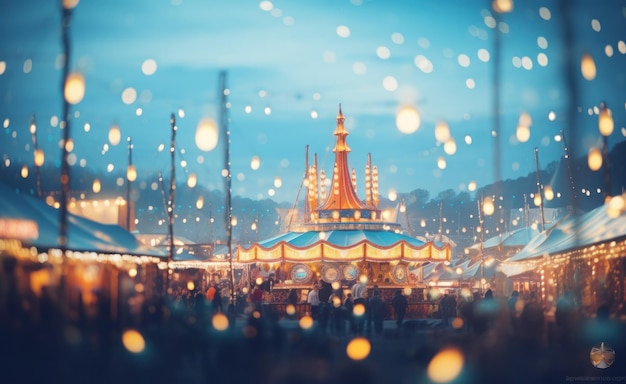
[341,239]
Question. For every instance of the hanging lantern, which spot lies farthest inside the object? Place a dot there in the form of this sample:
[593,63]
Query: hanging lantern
[594,159]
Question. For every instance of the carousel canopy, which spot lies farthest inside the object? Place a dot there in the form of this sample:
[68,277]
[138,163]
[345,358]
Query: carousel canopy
[43,221]
[516,238]
[343,245]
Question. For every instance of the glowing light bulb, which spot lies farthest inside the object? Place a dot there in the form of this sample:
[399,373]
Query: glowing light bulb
[74,89]
[594,159]
[206,135]
[96,186]
[131,173]
[605,121]
[408,120]
[115,136]
[588,67]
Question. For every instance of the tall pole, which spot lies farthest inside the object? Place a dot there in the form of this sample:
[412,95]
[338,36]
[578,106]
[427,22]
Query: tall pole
[543,222]
[482,243]
[570,173]
[228,212]
[65,166]
[129,180]
[36,155]
[170,201]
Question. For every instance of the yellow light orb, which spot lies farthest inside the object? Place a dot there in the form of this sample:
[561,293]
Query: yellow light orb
[306,322]
[191,285]
[358,310]
[450,146]
[407,291]
[115,135]
[132,272]
[207,135]
[131,173]
[471,186]
[408,120]
[441,163]
[588,67]
[290,309]
[278,182]
[442,132]
[522,133]
[363,279]
[96,186]
[69,4]
[488,207]
[192,180]
[605,122]
[133,341]
[594,159]
[74,90]
[537,200]
[39,157]
[259,281]
[358,348]
[502,6]
[24,171]
[200,202]
[457,323]
[219,321]
[548,193]
[446,365]
[255,163]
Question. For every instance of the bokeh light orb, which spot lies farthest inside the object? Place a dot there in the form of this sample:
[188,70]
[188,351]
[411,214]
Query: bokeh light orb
[219,321]
[408,120]
[358,348]
[133,341]
[206,135]
[74,90]
[446,365]
[306,322]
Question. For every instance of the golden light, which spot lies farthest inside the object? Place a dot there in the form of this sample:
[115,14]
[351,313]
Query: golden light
[207,135]
[255,163]
[132,272]
[407,291]
[446,365]
[502,6]
[219,321]
[488,207]
[306,322]
[457,323]
[69,4]
[115,136]
[133,341]
[392,195]
[24,171]
[39,157]
[588,67]
[471,186]
[548,193]
[615,206]
[74,90]
[233,221]
[192,180]
[522,133]
[408,120]
[336,285]
[131,173]
[191,285]
[442,132]
[278,182]
[69,145]
[537,200]
[200,202]
[441,163]
[290,309]
[594,159]
[96,186]
[363,279]
[358,348]
[605,121]
[259,280]
[450,146]
[358,310]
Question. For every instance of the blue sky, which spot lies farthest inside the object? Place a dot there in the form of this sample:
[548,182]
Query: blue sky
[291,57]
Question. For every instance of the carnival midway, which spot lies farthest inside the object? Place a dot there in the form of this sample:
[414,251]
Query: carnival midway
[126,280]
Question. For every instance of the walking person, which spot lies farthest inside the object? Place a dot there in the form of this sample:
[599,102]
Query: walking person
[313,299]
[400,305]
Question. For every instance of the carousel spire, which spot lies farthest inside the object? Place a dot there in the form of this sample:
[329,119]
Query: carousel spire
[342,200]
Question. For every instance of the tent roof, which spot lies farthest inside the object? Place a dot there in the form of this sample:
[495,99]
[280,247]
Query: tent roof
[82,234]
[575,231]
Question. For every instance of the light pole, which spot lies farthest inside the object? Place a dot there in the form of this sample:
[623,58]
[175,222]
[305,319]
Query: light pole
[605,126]
[131,175]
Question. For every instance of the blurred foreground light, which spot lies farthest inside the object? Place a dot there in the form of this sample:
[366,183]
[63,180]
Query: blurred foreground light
[522,133]
[588,67]
[450,146]
[471,186]
[290,309]
[358,348]
[255,163]
[502,6]
[445,365]
[200,202]
[133,341]
[192,180]
[191,285]
[306,322]
[594,159]
[24,171]
[548,193]
[358,310]
[278,182]
[74,90]
[69,4]
[149,67]
[408,120]
[206,135]
[220,321]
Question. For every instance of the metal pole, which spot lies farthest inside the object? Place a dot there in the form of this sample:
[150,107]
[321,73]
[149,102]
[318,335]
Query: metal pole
[543,222]
[65,166]
[128,182]
[170,201]
[33,132]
